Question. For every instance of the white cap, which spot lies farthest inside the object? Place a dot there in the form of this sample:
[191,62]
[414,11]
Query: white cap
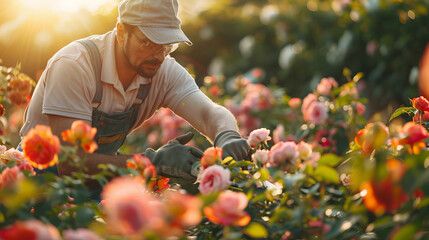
[157,19]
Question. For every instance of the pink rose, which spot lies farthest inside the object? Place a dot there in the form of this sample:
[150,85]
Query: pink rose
[317,113]
[306,103]
[260,156]
[258,136]
[278,133]
[284,155]
[16,155]
[360,109]
[304,150]
[80,234]
[214,179]
[325,86]
[129,208]
[229,209]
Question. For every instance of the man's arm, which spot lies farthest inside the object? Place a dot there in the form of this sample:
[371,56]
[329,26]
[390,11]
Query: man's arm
[216,122]
[206,116]
[59,124]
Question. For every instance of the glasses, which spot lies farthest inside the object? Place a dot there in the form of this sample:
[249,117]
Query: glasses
[148,45]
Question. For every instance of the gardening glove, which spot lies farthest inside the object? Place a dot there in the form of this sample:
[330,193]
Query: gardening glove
[233,145]
[174,159]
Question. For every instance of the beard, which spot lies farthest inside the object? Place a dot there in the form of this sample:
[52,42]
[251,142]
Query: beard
[140,69]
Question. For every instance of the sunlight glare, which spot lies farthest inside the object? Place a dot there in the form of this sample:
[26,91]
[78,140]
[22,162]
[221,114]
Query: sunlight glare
[70,6]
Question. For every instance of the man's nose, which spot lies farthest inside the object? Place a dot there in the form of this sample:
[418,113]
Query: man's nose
[159,54]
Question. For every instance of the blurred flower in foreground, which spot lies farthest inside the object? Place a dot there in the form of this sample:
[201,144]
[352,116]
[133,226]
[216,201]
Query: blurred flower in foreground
[31,229]
[214,179]
[229,209]
[385,195]
[183,210]
[80,132]
[41,147]
[80,234]
[130,209]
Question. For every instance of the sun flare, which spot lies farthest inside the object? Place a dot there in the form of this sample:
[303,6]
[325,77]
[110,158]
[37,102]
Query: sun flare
[61,6]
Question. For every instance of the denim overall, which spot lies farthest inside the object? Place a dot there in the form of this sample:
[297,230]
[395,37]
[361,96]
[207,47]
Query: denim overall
[112,128]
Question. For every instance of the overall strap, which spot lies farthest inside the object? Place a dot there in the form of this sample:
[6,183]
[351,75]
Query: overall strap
[94,55]
[142,94]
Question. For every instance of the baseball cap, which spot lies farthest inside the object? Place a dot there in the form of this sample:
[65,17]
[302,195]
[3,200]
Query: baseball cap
[157,19]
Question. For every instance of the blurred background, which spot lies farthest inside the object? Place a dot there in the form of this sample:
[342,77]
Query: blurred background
[295,42]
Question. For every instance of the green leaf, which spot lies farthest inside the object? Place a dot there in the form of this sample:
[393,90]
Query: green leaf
[84,216]
[329,159]
[256,230]
[327,174]
[402,110]
[407,232]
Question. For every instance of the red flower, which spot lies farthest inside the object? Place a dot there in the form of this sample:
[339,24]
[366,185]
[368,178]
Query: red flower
[421,103]
[18,232]
[41,147]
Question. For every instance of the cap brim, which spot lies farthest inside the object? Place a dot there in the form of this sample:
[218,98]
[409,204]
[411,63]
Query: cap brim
[165,35]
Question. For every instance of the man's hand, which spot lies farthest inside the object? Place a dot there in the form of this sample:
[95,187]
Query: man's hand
[175,159]
[233,145]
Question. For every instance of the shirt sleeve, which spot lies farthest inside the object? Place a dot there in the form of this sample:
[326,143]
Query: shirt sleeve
[180,84]
[68,89]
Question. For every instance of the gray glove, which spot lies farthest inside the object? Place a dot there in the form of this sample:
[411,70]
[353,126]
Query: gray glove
[174,159]
[233,145]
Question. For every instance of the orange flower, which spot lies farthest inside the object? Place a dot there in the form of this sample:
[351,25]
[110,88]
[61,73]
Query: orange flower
[229,209]
[211,156]
[159,184]
[82,133]
[41,147]
[386,195]
[142,164]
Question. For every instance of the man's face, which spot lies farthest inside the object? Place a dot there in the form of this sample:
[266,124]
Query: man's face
[144,56]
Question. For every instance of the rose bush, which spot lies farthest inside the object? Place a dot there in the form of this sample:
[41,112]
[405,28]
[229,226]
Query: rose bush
[316,170]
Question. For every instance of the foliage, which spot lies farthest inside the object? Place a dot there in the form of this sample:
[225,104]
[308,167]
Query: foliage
[298,42]
[324,174]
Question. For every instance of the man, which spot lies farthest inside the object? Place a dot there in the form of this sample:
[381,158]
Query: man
[118,90]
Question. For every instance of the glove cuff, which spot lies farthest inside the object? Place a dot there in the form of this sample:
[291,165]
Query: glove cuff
[224,136]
